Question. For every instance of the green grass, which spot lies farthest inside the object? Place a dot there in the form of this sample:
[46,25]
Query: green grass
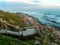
[12,19]
[4,40]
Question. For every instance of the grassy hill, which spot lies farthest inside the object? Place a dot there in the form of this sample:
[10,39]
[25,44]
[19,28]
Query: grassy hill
[44,36]
[12,18]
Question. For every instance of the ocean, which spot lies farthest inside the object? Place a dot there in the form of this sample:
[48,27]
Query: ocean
[49,17]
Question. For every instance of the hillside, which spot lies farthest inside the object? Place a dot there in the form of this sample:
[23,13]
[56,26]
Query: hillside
[9,21]
[45,35]
[12,18]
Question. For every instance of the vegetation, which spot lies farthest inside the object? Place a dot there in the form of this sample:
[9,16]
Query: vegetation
[12,18]
[46,37]
[5,40]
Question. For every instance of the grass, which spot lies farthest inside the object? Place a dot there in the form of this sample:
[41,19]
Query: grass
[12,19]
[4,40]
[47,37]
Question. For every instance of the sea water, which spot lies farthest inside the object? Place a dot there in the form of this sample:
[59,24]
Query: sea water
[46,16]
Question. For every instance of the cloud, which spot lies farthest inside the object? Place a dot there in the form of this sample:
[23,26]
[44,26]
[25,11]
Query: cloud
[38,2]
[50,2]
[43,3]
[24,1]
[17,0]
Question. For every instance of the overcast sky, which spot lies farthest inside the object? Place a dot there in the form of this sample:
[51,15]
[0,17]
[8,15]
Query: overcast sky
[26,4]
[38,2]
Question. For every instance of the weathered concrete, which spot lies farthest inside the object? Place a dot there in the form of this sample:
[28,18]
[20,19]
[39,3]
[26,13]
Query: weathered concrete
[26,32]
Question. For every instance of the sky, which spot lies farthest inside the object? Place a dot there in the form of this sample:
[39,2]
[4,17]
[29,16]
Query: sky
[26,4]
[38,2]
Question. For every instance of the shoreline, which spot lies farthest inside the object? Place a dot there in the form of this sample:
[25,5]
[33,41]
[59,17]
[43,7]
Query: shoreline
[38,25]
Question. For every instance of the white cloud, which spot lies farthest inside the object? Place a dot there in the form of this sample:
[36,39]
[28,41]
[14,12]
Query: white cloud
[25,1]
[50,2]
[17,0]
[43,3]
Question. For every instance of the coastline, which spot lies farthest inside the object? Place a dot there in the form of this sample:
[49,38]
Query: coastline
[44,34]
[38,25]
